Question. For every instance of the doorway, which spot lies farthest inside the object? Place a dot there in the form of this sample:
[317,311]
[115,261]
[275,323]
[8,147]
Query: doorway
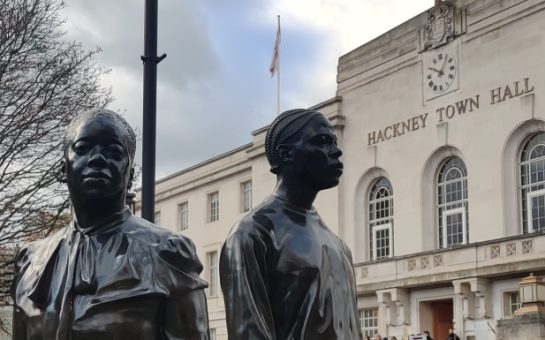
[442,318]
[436,316]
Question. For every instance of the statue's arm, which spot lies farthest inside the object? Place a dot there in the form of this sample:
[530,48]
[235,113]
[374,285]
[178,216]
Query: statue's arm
[18,327]
[186,317]
[243,274]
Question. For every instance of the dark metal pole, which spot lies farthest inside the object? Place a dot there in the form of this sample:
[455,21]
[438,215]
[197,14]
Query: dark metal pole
[150,60]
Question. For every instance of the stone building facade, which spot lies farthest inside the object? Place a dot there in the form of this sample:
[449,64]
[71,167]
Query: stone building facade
[442,124]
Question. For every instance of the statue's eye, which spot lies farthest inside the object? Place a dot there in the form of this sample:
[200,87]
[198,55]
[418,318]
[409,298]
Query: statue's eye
[115,151]
[325,139]
[81,147]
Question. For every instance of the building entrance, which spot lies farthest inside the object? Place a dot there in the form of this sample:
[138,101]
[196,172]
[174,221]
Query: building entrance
[436,316]
[442,318]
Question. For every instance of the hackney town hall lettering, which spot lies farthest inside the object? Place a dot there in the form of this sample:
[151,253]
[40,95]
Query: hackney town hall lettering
[470,104]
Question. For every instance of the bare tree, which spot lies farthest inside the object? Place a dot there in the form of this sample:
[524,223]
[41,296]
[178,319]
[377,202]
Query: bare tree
[44,81]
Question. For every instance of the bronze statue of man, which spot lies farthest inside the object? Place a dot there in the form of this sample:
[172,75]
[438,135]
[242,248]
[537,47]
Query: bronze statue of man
[284,274]
[109,274]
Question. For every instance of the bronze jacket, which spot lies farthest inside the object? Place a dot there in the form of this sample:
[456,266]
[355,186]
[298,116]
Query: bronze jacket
[126,279]
[286,276]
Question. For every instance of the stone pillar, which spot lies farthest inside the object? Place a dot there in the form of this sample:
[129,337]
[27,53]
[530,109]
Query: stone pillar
[383,312]
[394,308]
[460,308]
[472,300]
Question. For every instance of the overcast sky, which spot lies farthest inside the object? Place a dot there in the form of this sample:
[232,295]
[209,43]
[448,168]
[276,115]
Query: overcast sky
[214,87]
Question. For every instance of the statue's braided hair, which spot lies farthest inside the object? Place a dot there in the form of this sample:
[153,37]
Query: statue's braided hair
[287,125]
[102,113]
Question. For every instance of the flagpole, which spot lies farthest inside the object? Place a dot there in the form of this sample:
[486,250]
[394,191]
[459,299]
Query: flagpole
[278,77]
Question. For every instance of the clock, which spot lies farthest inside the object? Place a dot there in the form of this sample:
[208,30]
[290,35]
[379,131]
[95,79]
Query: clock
[440,72]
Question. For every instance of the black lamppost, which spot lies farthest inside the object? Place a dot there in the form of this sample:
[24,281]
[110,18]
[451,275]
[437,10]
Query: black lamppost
[150,60]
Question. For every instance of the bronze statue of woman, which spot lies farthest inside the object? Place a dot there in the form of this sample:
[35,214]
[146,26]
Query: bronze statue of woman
[109,274]
[284,274]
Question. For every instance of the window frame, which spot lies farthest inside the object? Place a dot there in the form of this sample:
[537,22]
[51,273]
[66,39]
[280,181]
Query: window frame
[508,302]
[157,217]
[442,208]
[374,222]
[530,220]
[213,273]
[212,333]
[183,226]
[243,193]
[212,212]
[373,319]
[377,228]
[524,176]
[448,212]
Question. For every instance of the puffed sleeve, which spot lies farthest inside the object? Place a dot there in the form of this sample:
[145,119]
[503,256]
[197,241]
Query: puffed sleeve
[178,266]
[185,314]
[244,281]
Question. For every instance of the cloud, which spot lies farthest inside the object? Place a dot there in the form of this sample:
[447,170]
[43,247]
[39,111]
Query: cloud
[214,87]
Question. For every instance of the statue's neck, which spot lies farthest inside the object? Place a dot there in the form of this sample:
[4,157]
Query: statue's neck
[90,213]
[295,192]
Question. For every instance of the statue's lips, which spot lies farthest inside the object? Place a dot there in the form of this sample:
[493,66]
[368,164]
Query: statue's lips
[96,175]
[337,168]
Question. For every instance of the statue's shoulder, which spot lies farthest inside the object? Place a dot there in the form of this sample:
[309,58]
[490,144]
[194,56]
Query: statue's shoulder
[260,216]
[41,249]
[170,247]
[258,225]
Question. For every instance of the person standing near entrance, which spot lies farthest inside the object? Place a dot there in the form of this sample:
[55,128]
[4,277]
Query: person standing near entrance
[284,274]
[451,335]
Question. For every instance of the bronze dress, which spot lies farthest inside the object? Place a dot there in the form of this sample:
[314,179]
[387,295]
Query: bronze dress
[286,276]
[125,279]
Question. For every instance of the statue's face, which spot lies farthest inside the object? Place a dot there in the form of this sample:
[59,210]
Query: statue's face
[315,156]
[97,161]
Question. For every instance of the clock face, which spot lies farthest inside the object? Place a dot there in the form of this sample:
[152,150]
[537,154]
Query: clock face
[440,72]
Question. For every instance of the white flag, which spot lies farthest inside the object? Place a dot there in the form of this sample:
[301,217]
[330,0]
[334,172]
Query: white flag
[276,53]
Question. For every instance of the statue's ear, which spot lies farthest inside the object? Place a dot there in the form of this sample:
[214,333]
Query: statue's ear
[284,153]
[131,178]
[62,177]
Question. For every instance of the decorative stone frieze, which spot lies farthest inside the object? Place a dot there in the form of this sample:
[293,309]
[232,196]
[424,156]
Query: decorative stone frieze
[511,249]
[527,247]
[437,260]
[494,251]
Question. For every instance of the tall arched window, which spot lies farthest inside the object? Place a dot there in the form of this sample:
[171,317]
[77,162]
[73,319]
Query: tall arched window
[532,180]
[381,219]
[452,203]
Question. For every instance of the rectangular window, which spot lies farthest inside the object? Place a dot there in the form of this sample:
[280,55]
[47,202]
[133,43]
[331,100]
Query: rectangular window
[213,272]
[511,302]
[183,209]
[157,218]
[382,245]
[536,210]
[213,206]
[246,196]
[454,227]
[369,321]
[212,333]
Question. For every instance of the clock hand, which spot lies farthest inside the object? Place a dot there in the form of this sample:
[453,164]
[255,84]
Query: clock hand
[434,69]
[444,63]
